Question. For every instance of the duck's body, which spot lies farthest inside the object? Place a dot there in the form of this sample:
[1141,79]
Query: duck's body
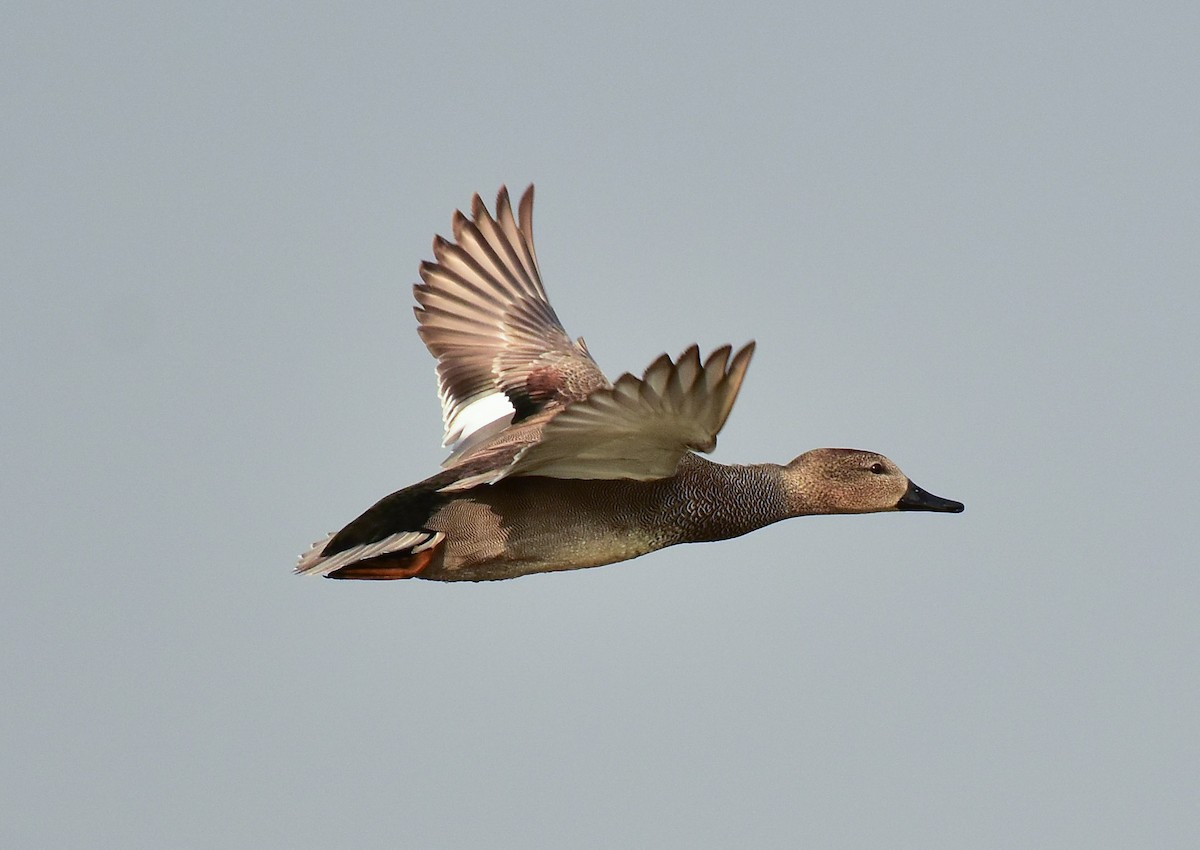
[582,472]
[534,524]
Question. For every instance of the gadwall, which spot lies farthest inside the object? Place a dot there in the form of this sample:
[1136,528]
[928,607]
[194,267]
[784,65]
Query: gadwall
[555,468]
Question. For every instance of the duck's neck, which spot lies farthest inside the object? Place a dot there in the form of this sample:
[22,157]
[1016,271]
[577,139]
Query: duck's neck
[714,501]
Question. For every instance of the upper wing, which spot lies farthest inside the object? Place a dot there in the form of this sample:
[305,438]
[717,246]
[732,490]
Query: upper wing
[484,315]
[638,428]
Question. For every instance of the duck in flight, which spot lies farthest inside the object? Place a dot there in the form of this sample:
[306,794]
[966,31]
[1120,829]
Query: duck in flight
[554,467]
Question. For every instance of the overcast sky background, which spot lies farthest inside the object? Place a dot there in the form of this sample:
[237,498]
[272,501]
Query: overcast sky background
[964,235]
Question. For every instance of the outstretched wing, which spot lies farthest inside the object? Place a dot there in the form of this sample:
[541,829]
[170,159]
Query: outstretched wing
[484,315]
[638,428]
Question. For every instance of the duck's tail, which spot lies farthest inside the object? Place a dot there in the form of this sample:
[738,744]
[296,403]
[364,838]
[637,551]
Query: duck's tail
[389,540]
[401,555]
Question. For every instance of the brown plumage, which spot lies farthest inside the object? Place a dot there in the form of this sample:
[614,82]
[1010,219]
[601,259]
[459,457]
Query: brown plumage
[556,468]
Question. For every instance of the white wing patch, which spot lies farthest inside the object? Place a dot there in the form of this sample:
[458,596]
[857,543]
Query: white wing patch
[478,414]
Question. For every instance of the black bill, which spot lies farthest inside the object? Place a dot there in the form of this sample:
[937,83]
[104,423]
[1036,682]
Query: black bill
[916,499]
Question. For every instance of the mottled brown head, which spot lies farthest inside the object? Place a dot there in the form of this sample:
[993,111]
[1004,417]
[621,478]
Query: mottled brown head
[852,481]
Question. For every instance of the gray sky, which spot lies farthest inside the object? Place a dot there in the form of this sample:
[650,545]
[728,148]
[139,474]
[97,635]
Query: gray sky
[962,235]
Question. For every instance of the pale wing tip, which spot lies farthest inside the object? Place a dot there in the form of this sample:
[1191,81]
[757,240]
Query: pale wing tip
[740,363]
[735,373]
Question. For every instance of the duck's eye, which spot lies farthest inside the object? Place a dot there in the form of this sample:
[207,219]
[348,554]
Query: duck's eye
[877,468]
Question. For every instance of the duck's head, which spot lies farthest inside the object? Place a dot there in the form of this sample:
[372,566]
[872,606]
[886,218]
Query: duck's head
[852,481]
